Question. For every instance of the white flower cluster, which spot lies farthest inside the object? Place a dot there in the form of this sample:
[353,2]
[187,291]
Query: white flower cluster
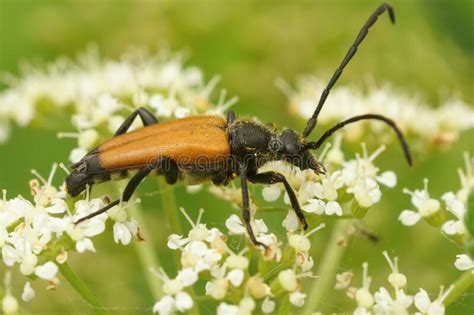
[37,235]
[450,216]
[355,182]
[431,126]
[206,253]
[394,299]
[96,91]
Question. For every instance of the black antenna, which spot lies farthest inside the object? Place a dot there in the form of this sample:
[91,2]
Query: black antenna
[363,32]
[391,123]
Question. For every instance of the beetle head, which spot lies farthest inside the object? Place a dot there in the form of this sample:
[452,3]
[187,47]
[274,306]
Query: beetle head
[289,146]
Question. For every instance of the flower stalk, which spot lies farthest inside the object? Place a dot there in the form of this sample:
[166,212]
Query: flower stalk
[332,256]
[146,253]
[464,283]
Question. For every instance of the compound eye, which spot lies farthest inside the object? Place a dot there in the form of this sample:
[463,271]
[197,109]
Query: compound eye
[275,145]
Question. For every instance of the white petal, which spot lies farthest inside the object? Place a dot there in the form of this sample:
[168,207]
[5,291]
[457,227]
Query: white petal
[291,223]
[77,154]
[449,227]
[85,244]
[388,179]
[227,309]
[122,234]
[183,301]
[259,226]
[333,207]
[197,247]
[187,277]
[165,306]
[234,224]
[268,306]
[422,301]
[463,262]
[57,206]
[58,225]
[10,255]
[28,292]
[315,206]
[436,308]
[93,227]
[271,193]
[235,277]
[297,298]
[176,241]
[47,271]
[409,218]
[181,112]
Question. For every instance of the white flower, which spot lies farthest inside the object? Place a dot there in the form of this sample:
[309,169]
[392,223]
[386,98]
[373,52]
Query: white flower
[364,298]
[396,279]
[47,271]
[123,231]
[457,208]
[234,224]
[268,306]
[164,306]
[235,277]
[28,292]
[9,304]
[288,280]
[183,301]
[175,297]
[187,277]
[227,309]
[85,244]
[428,307]
[343,280]
[297,298]
[426,206]
[463,262]
[386,304]
[271,193]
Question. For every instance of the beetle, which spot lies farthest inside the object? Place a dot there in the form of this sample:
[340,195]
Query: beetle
[210,148]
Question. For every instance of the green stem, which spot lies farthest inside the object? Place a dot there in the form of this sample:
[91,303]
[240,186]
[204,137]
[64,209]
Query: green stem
[81,289]
[284,307]
[146,253]
[171,213]
[462,284]
[328,267]
[170,210]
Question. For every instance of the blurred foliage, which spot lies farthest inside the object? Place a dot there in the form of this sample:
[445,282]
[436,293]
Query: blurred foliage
[250,43]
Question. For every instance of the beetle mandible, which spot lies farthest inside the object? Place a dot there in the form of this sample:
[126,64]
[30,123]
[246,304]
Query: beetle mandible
[203,148]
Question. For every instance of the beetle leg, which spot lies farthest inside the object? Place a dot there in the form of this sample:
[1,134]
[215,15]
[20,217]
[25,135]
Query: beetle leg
[246,206]
[145,115]
[274,177]
[230,117]
[127,193]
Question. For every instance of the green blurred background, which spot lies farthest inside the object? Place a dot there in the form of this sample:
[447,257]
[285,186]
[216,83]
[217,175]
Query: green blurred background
[249,43]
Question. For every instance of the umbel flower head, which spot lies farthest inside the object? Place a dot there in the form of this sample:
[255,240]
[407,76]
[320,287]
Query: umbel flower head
[395,299]
[449,215]
[37,235]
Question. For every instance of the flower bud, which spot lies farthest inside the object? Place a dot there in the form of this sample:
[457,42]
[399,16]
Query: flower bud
[288,280]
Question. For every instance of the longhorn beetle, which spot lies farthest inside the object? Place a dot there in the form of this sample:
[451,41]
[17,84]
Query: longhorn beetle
[202,148]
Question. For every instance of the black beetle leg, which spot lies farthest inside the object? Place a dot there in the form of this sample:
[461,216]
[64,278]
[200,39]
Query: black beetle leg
[168,167]
[145,115]
[230,117]
[246,206]
[274,177]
